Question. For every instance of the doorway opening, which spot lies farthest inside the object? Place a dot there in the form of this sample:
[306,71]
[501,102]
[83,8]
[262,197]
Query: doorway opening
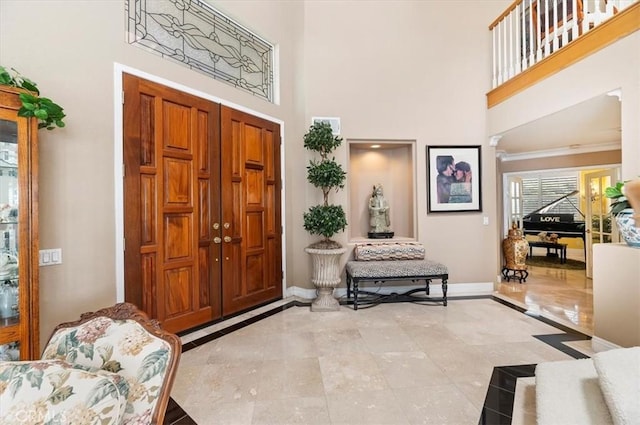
[568,206]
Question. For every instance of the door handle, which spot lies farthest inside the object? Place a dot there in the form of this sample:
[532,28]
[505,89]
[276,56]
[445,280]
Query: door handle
[217,240]
[227,239]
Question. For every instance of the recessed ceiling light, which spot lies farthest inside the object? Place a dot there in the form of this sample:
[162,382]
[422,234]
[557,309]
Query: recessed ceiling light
[375,146]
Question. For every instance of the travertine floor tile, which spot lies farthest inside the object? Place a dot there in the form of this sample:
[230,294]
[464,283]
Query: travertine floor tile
[524,403]
[395,364]
[366,408]
[352,372]
[303,411]
[238,413]
[443,404]
[290,378]
[410,369]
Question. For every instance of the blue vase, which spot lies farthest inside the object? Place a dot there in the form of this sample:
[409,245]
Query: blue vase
[627,227]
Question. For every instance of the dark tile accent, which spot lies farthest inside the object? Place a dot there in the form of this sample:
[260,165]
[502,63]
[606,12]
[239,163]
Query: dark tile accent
[490,417]
[505,377]
[557,340]
[498,404]
[176,415]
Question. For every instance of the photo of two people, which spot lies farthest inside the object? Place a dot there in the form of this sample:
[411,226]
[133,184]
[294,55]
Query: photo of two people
[453,180]
[454,174]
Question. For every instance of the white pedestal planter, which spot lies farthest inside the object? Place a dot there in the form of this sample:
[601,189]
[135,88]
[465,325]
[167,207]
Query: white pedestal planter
[325,277]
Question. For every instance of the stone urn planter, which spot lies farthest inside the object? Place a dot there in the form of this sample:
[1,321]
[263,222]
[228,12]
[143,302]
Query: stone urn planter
[325,277]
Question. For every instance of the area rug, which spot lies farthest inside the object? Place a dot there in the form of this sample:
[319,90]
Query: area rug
[554,263]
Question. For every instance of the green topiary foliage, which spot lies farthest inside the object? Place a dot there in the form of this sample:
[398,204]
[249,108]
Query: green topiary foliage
[325,174]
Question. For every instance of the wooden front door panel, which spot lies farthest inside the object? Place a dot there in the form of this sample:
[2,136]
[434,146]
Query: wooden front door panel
[172,267]
[251,232]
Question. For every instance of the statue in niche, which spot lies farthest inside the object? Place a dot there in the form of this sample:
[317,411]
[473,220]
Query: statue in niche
[379,221]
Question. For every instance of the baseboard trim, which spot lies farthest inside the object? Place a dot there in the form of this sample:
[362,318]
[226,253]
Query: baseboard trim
[455,289]
[599,344]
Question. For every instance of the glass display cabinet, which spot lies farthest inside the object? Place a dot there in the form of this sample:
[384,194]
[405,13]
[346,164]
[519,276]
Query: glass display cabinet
[19,304]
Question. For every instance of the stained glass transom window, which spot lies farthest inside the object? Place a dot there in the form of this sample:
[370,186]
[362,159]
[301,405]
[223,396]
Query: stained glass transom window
[195,34]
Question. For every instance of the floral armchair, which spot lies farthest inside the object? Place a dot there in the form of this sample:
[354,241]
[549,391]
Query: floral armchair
[113,366]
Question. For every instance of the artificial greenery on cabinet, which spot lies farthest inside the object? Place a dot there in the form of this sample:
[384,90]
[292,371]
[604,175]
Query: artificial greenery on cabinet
[49,114]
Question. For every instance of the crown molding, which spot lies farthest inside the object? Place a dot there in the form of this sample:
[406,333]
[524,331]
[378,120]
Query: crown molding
[573,150]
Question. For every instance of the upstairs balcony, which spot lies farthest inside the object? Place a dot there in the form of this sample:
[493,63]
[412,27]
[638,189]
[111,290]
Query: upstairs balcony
[534,39]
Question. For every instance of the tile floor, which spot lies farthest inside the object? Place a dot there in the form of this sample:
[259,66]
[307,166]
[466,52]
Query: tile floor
[564,296]
[398,363]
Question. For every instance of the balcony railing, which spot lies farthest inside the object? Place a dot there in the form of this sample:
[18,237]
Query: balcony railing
[532,30]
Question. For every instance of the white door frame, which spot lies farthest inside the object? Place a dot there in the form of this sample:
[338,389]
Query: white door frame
[118,70]
[614,175]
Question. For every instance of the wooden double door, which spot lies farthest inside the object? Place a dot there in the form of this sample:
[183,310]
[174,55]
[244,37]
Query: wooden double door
[201,206]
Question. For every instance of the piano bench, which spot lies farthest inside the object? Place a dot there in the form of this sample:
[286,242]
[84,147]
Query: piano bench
[560,248]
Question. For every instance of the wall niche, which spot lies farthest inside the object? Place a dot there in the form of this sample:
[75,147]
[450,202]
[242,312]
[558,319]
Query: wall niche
[392,164]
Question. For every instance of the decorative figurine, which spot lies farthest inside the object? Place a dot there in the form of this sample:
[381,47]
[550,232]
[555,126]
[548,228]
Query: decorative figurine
[379,220]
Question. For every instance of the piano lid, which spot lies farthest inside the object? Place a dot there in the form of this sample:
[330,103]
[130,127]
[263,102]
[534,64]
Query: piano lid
[545,209]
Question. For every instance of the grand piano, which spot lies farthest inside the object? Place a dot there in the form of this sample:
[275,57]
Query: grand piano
[563,224]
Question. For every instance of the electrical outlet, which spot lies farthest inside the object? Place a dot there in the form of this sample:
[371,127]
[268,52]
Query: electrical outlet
[50,257]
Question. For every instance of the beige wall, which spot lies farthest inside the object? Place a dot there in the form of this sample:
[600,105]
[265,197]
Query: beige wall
[69,49]
[392,70]
[406,71]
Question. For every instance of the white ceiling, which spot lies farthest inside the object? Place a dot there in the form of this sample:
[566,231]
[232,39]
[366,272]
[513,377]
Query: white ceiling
[593,125]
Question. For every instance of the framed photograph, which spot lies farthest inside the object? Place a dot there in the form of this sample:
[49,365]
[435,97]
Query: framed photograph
[334,122]
[453,179]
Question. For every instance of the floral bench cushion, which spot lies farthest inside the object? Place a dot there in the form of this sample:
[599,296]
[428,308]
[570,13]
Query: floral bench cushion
[54,392]
[389,251]
[119,346]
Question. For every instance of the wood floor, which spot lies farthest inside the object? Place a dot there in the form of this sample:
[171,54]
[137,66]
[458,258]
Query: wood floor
[565,296]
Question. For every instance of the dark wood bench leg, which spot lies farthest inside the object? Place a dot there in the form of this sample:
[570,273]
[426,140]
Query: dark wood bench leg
[348,286]
[444,291]
[355,294]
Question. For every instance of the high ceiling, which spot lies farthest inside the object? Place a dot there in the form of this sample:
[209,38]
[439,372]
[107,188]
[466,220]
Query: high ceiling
[588,126]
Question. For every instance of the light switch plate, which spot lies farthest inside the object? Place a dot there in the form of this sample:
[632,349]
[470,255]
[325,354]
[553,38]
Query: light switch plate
[50,257]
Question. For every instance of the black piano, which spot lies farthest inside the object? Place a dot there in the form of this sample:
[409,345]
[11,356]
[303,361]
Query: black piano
[563,224]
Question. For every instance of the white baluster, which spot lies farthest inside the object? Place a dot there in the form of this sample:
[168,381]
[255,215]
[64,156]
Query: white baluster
[505,63]
[531,25]
[574,26]
[523,37]
[494,82]
[555,34]
[511,50]
[565,27]
[539,31]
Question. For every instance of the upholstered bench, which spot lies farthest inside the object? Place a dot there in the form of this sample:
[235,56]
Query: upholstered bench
[393,262]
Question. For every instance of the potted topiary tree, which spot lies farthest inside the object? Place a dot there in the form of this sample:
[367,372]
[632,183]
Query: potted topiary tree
[325,219]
